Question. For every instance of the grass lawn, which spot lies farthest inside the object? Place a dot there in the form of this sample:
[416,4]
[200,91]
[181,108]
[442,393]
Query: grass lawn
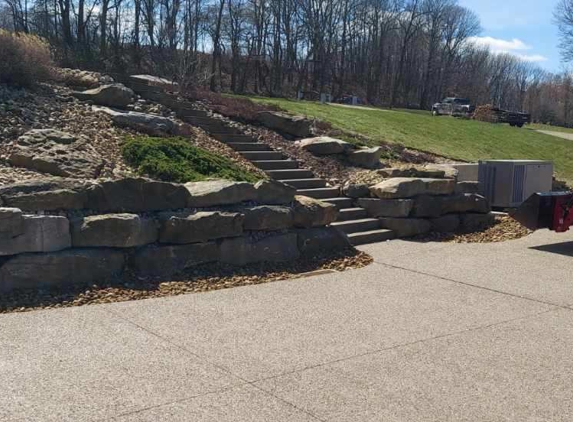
[465,140]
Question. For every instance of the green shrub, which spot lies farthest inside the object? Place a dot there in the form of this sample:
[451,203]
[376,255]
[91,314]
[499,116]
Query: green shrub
[25,59]
[176,160]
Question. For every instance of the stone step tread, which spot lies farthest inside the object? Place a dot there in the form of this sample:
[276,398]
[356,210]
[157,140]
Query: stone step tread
[286,164]
[319,193]
[249,146]
[233,137]
[347,214]
[371,236]
[340,202]
[291,174]
[361,225]
[262,155]
[309,183]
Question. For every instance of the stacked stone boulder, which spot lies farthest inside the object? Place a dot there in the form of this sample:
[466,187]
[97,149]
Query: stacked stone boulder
[58,232]
[355,156]
[416,201]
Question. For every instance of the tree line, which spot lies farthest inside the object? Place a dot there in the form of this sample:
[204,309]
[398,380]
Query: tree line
[396,53]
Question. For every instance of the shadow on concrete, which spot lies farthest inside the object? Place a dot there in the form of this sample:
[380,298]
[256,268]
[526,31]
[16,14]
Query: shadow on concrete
[563,248]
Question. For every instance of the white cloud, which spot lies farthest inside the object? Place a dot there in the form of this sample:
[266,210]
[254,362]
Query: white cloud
[514,47]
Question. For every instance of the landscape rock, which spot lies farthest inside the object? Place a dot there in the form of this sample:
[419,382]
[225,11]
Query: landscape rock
[243,250]
[268,218]
[439,186]
[406,227]
[75,266]
[114,231]
[136,195]
[467,202]
[199,227]
[428,206]
[386,207]
[310,212]
[83,78]
[45,195]
[273,192]
[468,187]
[57,153]
[446,224]
[151,124]
[472,222]
[323,145]
[219,192]
[40,233]
[423,172]
[165,261]
[11,223]
[366,158]
[321,239]
[112,95]
[297,126]
[399,188]
[356,190]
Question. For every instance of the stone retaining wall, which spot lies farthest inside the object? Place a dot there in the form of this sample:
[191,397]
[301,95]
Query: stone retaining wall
[58,232]
[416,201]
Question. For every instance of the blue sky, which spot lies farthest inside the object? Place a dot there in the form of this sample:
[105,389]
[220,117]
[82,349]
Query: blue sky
[521,27]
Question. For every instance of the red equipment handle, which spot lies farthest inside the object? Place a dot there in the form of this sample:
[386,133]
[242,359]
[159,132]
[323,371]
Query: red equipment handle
[563,214]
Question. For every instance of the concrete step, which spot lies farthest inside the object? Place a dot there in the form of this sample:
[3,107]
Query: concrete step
[371,236]
[305,183]
[262,155]
[276,164]
[340,203]
[347,214]
[246,146]
[354,226]
[290,174]
[320,193]
[232,137]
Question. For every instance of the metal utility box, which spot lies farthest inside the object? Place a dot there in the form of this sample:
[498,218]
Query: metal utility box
[507,183]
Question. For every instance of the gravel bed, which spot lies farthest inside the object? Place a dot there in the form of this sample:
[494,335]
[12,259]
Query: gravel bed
[200,279]
[504,229]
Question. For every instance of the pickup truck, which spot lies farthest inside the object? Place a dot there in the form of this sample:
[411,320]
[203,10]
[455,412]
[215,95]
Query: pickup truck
[453,106]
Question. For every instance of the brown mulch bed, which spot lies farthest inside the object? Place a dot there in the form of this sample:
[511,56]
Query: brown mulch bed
[504,229]
[200,279]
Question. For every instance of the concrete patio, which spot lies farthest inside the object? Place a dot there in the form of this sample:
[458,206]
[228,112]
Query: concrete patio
[429,332]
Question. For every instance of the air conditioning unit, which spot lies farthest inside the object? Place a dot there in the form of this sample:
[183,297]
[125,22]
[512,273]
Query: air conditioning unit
[507,183]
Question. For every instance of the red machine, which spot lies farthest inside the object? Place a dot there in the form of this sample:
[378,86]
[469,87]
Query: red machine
[553,211]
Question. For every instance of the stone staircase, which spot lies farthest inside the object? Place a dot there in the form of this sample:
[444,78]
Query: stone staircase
[352,220]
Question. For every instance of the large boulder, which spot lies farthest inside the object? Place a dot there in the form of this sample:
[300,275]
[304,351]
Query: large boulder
[215,193]
[321,239]
[469,187]
[11,223]
[427,206]
[114,231]
[310,212]
[386,207]
[425,172]
[406,227]
[324,145]
[136,195]
[199,227]
[273,192]
[446,223]
[356,190]
[467,202]
[75,266]
[244,250]
[112,95]
[40,233]
[366,157]
[297,126]
[46,194]
[472,222]
[268,218]
[165,261]
[399,188]
[151,124]
[57,153]
[439,186]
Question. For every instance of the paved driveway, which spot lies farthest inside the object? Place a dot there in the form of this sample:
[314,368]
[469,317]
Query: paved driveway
[429,332]
[562,135]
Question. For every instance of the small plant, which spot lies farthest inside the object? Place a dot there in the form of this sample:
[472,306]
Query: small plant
[25,59]
[176,160]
